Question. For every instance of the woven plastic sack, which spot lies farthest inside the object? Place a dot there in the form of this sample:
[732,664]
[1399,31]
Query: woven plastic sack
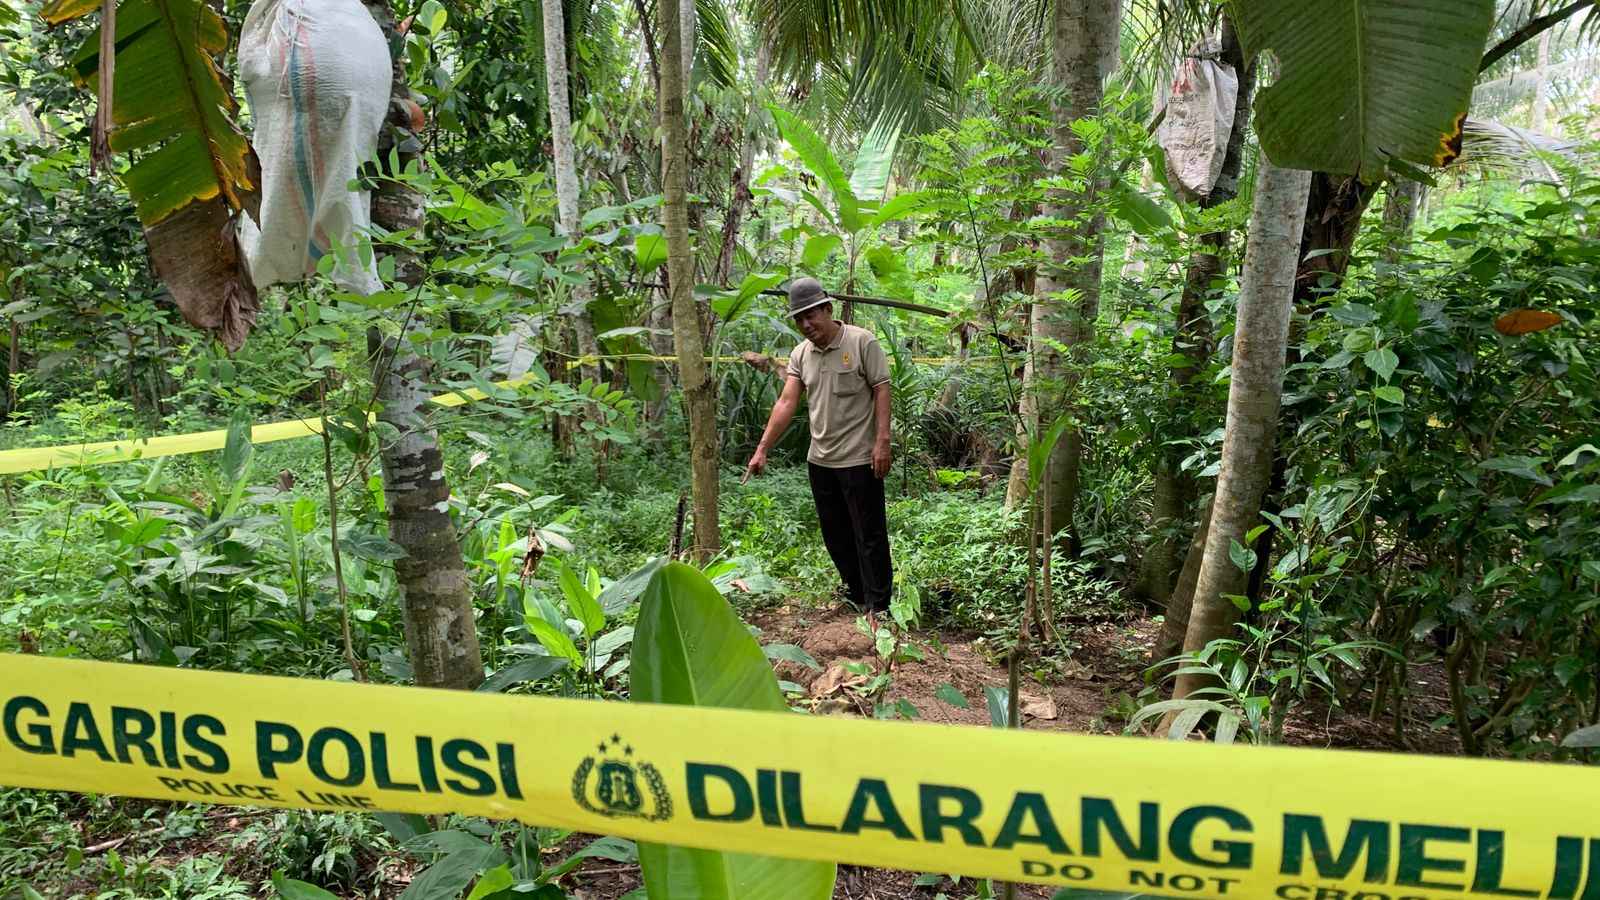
[1199,119]
[317,73]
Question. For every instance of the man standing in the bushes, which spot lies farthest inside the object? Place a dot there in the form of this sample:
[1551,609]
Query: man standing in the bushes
[845,377]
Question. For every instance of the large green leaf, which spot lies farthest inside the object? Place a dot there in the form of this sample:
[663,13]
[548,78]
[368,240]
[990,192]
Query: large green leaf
[1583,737]
[818,248]
[1360,81]
[582,604]
[733,304]
[1142,214]
[870,174]
[290,889]
[901,205]
[1039,451]
[192,168]
[650,252]
[690,649]
[717,49]
[820,160]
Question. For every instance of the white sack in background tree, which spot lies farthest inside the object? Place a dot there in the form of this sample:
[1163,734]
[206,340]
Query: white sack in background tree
[1199,118]
[317,73]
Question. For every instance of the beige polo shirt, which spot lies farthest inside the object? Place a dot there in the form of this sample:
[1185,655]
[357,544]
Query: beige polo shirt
[838,382]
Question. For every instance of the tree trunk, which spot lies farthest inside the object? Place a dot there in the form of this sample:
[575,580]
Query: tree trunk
[1173,492]
[686,42]
[435,595]
[739,195]
[1541,85]
[1259,345]
[566,166]
[1176,625]
[699,397]
[1083,49]
[13,363]
[1399,212]
[1334,208]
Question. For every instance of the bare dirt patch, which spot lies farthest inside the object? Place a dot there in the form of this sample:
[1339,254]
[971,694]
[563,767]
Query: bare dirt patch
[1060,691]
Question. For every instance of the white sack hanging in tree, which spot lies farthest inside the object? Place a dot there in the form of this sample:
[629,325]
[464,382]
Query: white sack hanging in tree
[318,76]
[1200,105]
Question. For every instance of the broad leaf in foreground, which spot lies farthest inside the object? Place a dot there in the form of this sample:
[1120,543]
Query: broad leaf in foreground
[691,649]
[1360,81]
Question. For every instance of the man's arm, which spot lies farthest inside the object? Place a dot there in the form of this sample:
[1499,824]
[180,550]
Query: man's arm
[882,455]
[777,424]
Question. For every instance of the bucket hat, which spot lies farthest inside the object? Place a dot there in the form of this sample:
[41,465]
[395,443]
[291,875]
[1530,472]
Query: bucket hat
[804,294]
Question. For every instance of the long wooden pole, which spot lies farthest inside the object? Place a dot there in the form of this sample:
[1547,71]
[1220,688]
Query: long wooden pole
[856,298]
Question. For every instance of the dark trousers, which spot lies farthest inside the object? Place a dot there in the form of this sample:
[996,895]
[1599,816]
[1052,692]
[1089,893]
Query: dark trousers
[855,527]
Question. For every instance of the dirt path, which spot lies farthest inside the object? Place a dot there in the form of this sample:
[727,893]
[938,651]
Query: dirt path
[1089,690]
[1060,694]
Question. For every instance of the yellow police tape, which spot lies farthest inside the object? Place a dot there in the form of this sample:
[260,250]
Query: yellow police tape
[35,459]
[1117,814]
[99,453]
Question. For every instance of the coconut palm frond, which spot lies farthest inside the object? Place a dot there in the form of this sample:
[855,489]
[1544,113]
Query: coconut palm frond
[1157,34]
[904,61]
[1507,147]
[717,50]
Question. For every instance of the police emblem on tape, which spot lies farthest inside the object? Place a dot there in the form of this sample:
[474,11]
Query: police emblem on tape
[608,784]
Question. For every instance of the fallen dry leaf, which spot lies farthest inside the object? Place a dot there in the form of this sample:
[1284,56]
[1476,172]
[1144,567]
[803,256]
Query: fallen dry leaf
[1038,707]
[836,678]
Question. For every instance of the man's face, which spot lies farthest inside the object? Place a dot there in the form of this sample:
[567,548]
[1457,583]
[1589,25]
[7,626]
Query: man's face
[816,324]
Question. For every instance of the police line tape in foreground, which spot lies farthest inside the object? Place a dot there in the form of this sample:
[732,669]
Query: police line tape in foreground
[1097,812]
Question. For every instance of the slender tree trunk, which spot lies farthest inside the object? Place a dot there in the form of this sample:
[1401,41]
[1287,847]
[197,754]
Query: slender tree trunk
[699,397]
[566,166]
[1399,212]
[1259,346]
[435,595]
[1083,49]
[1176,625]
[1541,85]
[1173,491]
[739,195]
[686,42]
[13,363]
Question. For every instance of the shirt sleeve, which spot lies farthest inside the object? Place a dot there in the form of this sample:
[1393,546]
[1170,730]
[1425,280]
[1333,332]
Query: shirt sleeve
[793,369]
[874,365]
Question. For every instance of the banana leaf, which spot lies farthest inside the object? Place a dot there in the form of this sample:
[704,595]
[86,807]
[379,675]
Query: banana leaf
[869,176]
[689,648]
[193,169]
[1360,81]
[814,152]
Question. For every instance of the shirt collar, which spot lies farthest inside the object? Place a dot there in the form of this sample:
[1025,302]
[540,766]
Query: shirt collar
[838,336]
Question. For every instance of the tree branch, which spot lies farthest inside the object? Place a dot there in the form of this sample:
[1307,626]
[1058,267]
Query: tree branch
[1530,31]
